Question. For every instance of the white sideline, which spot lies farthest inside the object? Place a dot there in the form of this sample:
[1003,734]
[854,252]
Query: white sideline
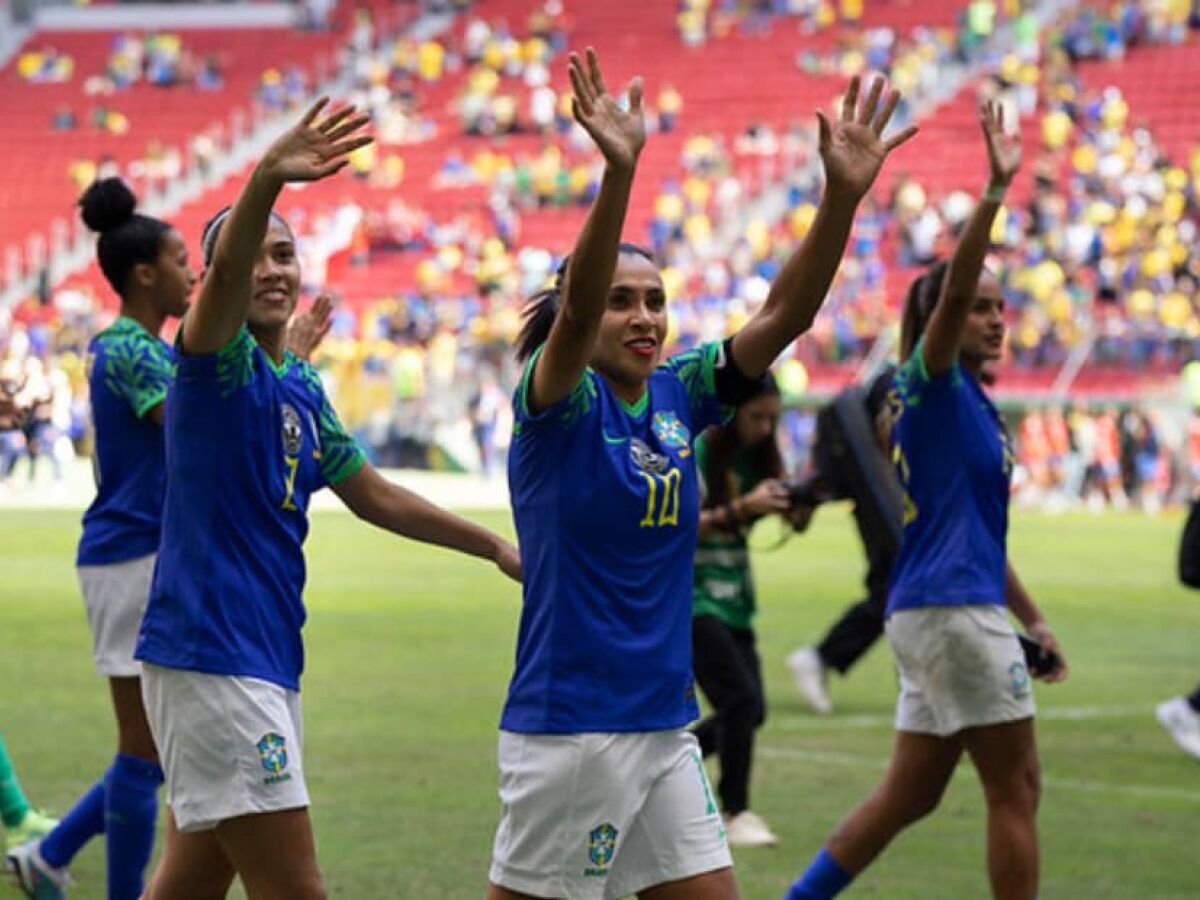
[1052,713]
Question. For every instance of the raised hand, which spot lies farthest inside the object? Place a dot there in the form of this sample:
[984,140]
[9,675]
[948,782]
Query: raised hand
[307,329]
[312,150]
[1003,149]
[620,134]
[852,148]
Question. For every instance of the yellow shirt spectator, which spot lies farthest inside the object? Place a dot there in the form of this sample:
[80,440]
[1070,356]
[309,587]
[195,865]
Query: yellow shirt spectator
[431,57]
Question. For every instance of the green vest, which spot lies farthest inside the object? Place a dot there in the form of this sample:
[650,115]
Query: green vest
[722,585]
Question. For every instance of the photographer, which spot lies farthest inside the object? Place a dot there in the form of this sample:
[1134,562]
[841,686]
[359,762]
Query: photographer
[849,464]
[740,470]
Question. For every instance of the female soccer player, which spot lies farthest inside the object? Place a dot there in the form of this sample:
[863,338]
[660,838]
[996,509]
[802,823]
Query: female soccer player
[740,469]
[964,684]
[130,367]
[602,790]
[250,436]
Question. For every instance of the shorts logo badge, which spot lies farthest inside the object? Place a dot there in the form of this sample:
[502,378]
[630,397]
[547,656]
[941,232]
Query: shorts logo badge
[1019,680]
[292,435]
[670,431]
[602,846]
[272,752]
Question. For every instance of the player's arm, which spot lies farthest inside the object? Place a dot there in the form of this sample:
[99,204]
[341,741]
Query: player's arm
[1030,616]
[619,135]
[307,152]
[944,333]
[852,152]
[374,499]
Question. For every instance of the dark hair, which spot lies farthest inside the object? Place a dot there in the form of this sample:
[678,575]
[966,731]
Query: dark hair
[724,444]
[127,238]
[919,304]
[212,230]
[542,308]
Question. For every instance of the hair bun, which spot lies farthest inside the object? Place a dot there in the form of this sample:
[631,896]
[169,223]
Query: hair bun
[107,204]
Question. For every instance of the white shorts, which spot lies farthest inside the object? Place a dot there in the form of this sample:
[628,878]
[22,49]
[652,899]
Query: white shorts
[230,746]
[960,667]
[115,597]
[601,816]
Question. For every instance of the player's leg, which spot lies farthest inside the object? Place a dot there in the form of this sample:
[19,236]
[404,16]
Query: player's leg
[912,787]
[193,867]
[131,793]
[1006,758]
[274,854]
[1180,716]
[21,822]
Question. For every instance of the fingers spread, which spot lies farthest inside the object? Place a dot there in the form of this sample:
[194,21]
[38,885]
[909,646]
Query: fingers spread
[885,115]
[896,140]
[594,72]
[314,111]
[850,100]
[635,95]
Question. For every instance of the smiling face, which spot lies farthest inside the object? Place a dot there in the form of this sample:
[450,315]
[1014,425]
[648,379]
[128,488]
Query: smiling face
[276,279]
[983,339]
[634,325]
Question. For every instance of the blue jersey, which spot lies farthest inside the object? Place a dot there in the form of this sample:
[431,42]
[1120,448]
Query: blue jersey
[129,371]
[247,443]
[954,461]
[607,507]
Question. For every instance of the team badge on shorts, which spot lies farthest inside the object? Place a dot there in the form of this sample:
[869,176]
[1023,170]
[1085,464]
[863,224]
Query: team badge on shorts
[272,752]
[602,846]
[670,431]
[292,435]
[1019,680]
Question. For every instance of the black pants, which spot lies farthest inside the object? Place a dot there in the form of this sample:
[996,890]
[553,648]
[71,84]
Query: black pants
[730,675]
[853,634]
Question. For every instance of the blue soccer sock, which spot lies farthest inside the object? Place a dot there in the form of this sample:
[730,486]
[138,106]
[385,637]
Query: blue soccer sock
[130,808]
[83,822]
[823,879]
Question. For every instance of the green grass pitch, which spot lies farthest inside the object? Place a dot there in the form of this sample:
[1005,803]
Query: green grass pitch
[409,652]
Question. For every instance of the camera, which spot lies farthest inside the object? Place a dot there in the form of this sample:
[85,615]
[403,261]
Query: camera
[810,490]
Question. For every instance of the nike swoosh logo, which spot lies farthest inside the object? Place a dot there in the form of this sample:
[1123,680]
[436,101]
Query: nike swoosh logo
[609,439]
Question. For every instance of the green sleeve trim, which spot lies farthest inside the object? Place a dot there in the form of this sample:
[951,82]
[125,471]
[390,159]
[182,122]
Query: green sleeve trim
[347,467]
[148,401]
[918,356]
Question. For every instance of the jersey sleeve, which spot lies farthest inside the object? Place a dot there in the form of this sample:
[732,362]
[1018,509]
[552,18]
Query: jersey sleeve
[341,455]
[563,414]
[230,369]
[913,383]
[696,369]
[138,369]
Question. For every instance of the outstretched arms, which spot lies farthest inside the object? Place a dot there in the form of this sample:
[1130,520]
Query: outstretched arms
[619,134]
[852,150]
[309,151]
[949,320]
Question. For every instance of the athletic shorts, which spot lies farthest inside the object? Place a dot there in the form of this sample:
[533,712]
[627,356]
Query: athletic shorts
[115,596]
[230,746]
[960,667]
[597,816]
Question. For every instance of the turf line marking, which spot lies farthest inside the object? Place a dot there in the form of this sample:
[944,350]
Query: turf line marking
[1050,713]
[850,761]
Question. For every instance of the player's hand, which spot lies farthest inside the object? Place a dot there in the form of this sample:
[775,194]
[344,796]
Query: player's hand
[314,149]
[852,148]
[620,134]
[769,496]
[1042,633]
[1003,149]
[307,329]
[508,560]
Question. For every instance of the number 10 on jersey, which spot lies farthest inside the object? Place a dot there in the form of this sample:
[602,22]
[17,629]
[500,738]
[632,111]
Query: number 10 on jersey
[662,499]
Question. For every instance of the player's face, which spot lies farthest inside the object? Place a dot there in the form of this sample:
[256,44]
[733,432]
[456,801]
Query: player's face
[634,325]
[984,336]
[756,419]
[174,278]
[276,280]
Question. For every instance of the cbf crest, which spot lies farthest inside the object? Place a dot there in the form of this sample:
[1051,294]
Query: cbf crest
[602,846]
[670,431]
[292,435]
[272,753]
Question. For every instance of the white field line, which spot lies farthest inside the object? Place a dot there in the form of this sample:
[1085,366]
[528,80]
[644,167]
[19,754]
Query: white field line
[1052,782]
[1050,713]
